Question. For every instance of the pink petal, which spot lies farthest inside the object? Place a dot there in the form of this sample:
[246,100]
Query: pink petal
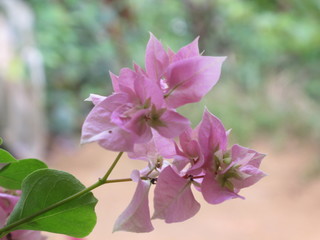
[212,134]
[98,126]
[3,218]
[185,137]
[95,98]
[138,125]
[139,69]
[136,217]
[239,152]
[174,124]
[190,79]
[152,150]
[198,159]
[181,160]
[115,81]
[116,139]
[254,174]
[145,89]
[188,51]
[120,116]
[249,161]
[164,146]
[157,59]
[173,198]
[7,202]
[144,151]
[27,235]
[213,192]
[171,54]
[192,150]
[126,78]
[189,147]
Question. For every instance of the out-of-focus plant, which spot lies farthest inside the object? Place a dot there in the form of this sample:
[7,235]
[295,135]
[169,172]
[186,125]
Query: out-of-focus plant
[271,45]
[273,49]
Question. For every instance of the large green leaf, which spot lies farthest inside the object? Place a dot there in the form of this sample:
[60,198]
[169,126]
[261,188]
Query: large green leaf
[12,175]
[6,157]
[45,187]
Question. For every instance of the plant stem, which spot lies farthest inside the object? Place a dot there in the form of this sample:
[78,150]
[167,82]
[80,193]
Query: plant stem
[105,177]
[101,181]
[118,180]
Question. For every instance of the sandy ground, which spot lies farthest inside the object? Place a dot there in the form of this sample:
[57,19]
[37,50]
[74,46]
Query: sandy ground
[285,205]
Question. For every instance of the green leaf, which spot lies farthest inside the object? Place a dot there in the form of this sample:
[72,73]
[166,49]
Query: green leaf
[6,157]
[46,187]
[12,175]
[1,141]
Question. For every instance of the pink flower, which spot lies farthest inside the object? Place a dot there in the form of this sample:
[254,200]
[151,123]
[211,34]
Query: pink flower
[205,162]
[226,171]
[185,76]
[146,99]
[127,117]
[233,171]
[140,118]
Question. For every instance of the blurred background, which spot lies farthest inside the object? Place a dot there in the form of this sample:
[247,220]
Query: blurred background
[53,54]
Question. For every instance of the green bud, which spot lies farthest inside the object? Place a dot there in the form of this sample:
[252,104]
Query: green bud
[159,162]
[227,160]
[234,174]
[227,154]
[228,185]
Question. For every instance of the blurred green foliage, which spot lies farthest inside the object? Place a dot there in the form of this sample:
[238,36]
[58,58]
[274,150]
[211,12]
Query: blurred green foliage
[270,82]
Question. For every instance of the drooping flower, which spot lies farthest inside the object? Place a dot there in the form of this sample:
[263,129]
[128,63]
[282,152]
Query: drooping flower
[174,201]
[136,217]
[173,198]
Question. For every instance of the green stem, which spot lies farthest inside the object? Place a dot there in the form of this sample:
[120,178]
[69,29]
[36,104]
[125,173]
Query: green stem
[123,180]
[102,181]
[105,177]
[118,180]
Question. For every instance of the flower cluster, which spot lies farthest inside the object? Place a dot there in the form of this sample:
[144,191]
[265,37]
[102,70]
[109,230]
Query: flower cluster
[7,203]
[140,118]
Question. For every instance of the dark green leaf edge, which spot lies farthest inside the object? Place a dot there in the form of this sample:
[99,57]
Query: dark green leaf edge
[6,157]
[13,174]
